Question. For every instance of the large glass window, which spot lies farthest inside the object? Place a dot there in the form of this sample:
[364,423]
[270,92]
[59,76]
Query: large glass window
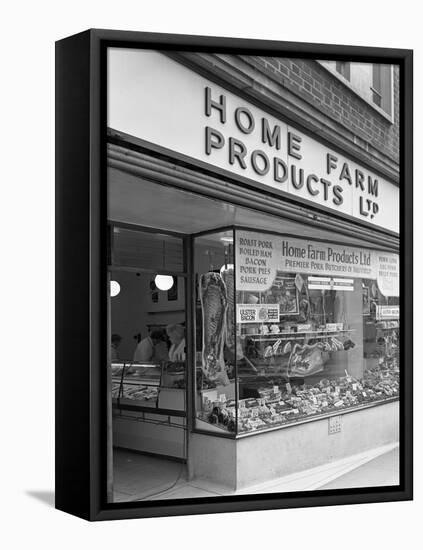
[316,329]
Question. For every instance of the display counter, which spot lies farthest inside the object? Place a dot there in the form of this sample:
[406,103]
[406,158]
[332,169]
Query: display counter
[149,409]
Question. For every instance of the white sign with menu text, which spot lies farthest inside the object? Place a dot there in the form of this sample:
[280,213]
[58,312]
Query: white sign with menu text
[387,312]
[259,257]
[330,283]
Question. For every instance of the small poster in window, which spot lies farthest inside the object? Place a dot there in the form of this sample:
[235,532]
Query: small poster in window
[258,313]
[284,292]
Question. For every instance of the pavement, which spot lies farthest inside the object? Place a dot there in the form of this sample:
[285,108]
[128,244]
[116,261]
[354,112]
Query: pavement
[142,477]
[382,470]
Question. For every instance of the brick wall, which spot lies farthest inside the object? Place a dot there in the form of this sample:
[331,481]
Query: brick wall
[323,91]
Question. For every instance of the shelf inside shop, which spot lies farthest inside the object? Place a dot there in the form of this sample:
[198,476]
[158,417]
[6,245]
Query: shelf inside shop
[138,381]
[126,401]
[297,335]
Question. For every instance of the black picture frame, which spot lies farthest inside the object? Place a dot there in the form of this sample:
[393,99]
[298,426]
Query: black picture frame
[81,274]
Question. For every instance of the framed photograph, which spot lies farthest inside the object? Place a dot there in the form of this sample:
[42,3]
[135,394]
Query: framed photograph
[243,207]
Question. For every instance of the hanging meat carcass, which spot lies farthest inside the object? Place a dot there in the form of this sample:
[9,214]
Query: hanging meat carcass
[214,304]
[228,279]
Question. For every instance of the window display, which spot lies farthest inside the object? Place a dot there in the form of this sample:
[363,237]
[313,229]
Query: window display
[312,328]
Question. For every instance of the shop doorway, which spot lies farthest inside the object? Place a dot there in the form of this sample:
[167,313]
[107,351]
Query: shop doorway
[147,357]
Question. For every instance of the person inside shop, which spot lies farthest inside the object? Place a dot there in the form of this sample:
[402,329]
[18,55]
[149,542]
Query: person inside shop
[115,343]
[151,348]
[176,334]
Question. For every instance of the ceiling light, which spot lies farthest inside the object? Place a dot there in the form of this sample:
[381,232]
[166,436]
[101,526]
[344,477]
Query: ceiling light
[114,288]
[163,282]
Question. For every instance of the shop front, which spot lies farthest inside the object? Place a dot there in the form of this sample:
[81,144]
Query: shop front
[254,269]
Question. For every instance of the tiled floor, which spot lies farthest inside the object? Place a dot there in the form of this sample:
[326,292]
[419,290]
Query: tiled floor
[141,477]
[138,476]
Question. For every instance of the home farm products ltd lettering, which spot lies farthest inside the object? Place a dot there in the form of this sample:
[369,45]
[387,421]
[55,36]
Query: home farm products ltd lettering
[279,153]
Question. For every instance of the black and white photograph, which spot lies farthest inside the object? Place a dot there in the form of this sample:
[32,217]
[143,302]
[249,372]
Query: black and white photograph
[210,242]
[253,264]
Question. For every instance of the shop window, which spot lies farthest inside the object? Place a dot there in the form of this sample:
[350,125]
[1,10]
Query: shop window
[381,87]
[343,68]
[306,342]
[372,82]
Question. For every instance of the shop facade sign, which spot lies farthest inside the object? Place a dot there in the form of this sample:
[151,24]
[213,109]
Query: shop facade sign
[184,112]
[260,256]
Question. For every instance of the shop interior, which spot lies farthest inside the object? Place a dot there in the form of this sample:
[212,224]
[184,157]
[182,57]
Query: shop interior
[293,357]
